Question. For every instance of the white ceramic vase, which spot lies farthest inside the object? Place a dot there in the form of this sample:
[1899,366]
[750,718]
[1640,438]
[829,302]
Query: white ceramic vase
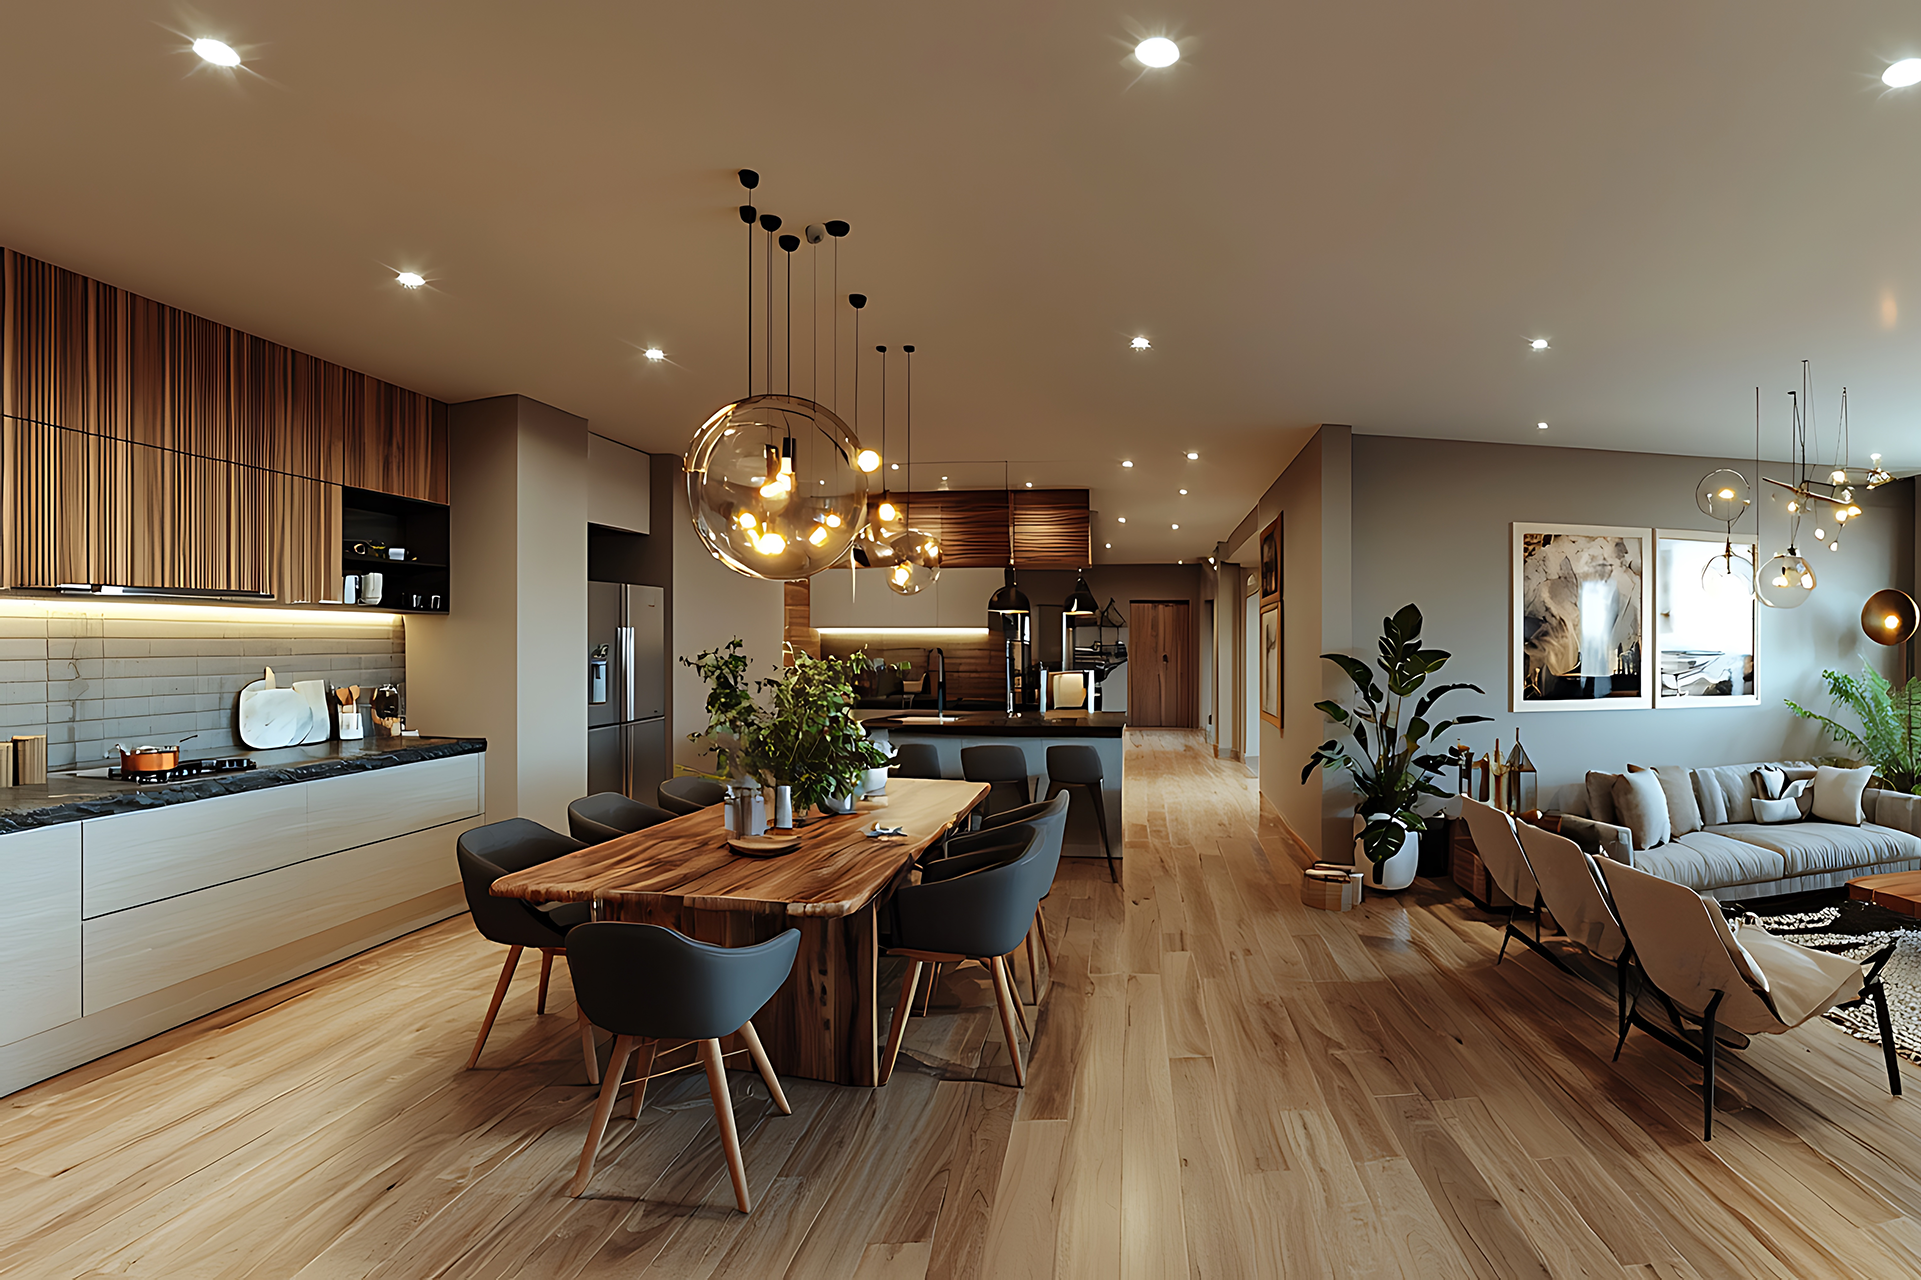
[837,804]
[1398,871]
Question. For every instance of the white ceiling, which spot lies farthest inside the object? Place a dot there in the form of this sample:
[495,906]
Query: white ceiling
[1350,213]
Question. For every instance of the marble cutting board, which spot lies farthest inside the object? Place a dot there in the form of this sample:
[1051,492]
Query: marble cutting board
[315,693]
[272,716]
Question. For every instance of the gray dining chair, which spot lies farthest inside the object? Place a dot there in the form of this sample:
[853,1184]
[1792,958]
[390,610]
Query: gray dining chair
[689,793]
[1004,769]
[606,814]
[1077,767]
[984,847]
[916,760]
[646,985]
[978,915]
[502,848]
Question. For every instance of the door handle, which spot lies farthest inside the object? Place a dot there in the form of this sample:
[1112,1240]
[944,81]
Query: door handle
[626,635]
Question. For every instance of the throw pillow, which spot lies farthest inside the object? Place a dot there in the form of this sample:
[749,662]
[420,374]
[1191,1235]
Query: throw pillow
[1600,796]
[1642,807]
[1677,784]
[1837,793]
[1769,782]
[1787,809]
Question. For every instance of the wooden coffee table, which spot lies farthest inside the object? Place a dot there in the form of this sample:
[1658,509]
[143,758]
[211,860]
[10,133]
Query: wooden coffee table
[1898,891]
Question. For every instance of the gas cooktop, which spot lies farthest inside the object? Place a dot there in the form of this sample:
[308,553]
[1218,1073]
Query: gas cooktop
[179,773]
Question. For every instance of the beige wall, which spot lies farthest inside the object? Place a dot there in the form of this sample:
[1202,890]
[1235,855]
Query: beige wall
[508,662]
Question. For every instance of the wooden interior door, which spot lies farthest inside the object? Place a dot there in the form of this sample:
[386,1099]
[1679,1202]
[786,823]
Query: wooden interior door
[1162,678]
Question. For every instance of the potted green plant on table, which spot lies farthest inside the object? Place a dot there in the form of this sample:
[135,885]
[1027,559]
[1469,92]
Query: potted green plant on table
[1386,760]
[1887,715]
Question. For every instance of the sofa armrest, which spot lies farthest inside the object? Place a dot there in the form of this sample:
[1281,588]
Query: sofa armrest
[1602,839]
[1895,809]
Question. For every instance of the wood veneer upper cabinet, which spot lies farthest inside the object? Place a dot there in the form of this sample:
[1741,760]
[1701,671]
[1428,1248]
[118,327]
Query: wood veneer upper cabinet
[1162,679]
[396,441]
[307,566]
[50,504]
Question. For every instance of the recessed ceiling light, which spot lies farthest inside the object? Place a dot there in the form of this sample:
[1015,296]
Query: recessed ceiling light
[895,466]
[1539,344]
[1177,526]
[1123,519]
[414,280]
[1108,545]
[1140,344]
[1183,493]
[1902,74]
[1540,426]
[652,353]
[1127,462]
[1030,484]
[1158,51]
[1193,457]
[221,54]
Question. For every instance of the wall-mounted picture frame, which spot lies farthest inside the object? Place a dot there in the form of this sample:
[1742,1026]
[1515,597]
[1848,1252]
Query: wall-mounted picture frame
[1583,597]
[1706,622]
[1271,656]
[1271,562]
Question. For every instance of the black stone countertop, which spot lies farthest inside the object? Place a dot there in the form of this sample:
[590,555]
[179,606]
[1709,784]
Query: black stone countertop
[998,724]
[65,798]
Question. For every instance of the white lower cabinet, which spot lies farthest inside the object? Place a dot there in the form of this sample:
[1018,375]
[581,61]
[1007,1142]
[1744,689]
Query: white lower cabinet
[39,930]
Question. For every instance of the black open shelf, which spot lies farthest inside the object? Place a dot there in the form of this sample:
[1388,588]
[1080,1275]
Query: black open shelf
[421,527]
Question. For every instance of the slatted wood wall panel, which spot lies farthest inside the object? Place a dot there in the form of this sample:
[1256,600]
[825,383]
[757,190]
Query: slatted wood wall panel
[1051,529]
[1050,526]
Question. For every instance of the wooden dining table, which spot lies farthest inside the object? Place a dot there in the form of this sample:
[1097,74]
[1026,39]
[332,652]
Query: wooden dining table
[824,1023]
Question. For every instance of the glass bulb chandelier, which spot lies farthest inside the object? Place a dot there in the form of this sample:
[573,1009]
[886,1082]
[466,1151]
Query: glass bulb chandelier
[1827,504]
[916,554]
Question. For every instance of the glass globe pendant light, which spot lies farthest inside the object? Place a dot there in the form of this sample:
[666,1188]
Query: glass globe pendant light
[916,554]
[1729,576]
[1785,581]
[873,541]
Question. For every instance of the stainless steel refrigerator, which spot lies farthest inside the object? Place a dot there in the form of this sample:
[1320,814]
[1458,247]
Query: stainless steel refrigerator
[626,689]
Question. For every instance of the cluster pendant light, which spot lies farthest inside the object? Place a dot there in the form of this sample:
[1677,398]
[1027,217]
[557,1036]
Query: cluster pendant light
[916,554]
[1787,579]
[777,483]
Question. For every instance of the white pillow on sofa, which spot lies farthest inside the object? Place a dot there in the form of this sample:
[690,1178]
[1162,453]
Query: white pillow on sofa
[1642,807]
[1837,793]
[1786,809]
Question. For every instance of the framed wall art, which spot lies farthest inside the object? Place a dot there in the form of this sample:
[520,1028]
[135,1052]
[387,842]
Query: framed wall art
[1705,620]
[1271,562]
[1271,665]
[1583,595]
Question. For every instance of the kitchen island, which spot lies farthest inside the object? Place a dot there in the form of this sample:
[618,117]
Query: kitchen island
[1033,733]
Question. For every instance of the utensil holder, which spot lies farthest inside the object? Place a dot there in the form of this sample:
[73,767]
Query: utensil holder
[784,808]
[352,729]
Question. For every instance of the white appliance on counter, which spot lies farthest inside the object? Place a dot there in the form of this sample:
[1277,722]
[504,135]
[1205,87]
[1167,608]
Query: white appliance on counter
[626,689]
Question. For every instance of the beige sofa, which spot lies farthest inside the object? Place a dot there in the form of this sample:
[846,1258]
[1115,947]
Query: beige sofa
[1731,856]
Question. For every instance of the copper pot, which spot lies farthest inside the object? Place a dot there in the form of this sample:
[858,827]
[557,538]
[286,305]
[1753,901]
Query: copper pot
[149,759]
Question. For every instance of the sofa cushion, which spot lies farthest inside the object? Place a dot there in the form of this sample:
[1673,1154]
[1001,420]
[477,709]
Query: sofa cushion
[1807,848]
[1677,784]
[1725,792]
[1600,796]
[1642,807]
[1837,793]
[1709,860]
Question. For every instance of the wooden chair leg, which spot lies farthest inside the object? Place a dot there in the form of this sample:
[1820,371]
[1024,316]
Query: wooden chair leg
[724,1116]
[902,1008]
[587,1045]
[603,1109]
[1013,987]
[933,976]
[1047,948]
[764,1066]
[500,993]
[1004,996]
[546,967]
[644,1061]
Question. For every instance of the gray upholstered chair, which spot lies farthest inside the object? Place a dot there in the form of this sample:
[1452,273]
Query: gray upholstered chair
[1500,852]
[985,847]
[916,760]
[498,849]
[1749,981]
[689,793]
[979,915]
[1077,766]
[606,814]
[647,984]
[1004,769]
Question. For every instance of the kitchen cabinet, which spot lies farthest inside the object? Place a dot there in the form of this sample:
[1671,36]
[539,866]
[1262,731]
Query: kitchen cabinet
[957,599]
[40,931]
[618,482]
[964,593]
[136,858]
[307,566]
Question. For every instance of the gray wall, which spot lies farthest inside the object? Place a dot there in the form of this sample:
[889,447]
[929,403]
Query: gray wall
[508,662]
[1431,525]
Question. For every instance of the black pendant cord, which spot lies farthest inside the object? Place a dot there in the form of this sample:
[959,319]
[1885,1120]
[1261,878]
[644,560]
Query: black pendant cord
[837,326]
[750,180]
[883,408]
[910,419]
[770,223]
[813,310]
[788,244]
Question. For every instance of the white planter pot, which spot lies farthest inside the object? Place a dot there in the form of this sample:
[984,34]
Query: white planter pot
[837,804]
[1398,871]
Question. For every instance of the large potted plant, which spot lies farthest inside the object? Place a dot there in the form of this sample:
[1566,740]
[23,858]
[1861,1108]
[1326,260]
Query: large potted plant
[1887,716]
[799,732]
[1385,755]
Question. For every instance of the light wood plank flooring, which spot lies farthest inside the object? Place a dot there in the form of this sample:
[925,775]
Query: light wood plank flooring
[1223,1083]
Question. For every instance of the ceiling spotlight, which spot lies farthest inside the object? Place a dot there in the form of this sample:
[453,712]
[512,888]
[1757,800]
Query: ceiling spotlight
[895,466]
[1176,526]
[221,54]
[1183,493]
[1140,344]
[1030,484]
[866,460]
[1539,344]
[1123,519]
[1902,74]
[1192,456]
[1108,545]
[414,280]
[1127,462]
[1540,426]
[652,353]
[1159,51]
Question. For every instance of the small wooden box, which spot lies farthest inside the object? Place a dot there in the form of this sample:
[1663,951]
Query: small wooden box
[1329,891]
[30,760]
[6,763]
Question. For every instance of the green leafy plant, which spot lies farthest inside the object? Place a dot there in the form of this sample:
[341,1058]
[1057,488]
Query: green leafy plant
[800,731]
[1887,716]
[1390,770]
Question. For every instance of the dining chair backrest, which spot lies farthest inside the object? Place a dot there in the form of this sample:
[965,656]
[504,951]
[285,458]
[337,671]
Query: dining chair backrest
[1004,769]
[1681,949]
[1499,849]
[606,814]
[1049,818]
[1570,891]
[981,913]
[643,980]
[689,794]
[916,760]
[499,849]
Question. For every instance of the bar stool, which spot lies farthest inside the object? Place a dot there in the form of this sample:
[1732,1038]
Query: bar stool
[502,848]
[916,760]
[689,794]
[1080,766]
[647,984]
[1004,770]
[606,814]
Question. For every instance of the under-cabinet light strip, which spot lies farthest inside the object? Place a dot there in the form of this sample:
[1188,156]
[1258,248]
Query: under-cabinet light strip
[948,633]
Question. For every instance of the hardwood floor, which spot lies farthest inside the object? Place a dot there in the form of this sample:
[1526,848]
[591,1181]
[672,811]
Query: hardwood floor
[1223,1083]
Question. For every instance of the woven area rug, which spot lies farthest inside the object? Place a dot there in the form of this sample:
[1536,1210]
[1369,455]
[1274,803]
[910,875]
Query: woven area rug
[1857,930]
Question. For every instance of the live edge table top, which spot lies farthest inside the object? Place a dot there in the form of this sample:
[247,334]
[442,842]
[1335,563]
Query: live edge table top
[836,871]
